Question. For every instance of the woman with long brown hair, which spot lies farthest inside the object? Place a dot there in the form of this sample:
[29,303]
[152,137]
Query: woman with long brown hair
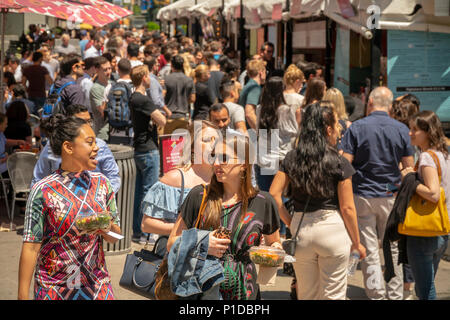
[232,202]
[314,91]
[424,253]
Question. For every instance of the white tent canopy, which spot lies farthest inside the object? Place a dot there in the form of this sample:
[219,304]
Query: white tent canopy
[420,15]
[177,9]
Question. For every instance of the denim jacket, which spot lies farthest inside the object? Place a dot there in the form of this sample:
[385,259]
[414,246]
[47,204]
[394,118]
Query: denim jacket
[191,270]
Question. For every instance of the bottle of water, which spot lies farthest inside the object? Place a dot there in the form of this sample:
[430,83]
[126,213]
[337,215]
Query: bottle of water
[353,262]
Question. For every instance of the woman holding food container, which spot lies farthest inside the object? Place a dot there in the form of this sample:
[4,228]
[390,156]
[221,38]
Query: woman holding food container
[232,203]
[68,215]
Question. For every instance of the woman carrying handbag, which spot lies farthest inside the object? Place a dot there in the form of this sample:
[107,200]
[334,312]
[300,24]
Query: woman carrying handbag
[325,217]
[233,203]
[424,253]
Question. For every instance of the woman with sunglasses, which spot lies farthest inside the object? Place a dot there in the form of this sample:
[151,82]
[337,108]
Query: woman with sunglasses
[68,262]
[232,202]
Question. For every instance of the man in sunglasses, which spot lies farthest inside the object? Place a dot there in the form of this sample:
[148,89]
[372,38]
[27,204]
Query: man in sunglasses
[48,162]
[72,69]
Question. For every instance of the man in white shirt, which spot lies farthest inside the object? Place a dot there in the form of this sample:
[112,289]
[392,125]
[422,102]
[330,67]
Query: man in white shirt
[133,53]
[96,49]
[230,96]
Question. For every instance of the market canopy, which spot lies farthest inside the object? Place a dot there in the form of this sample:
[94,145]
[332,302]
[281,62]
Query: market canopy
[418,15]
[177,9]
[94,12]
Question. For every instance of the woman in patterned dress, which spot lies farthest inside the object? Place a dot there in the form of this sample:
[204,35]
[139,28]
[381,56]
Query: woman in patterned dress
[69,265]
[232,202]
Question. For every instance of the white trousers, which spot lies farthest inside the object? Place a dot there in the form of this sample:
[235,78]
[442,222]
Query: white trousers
[322,254]
[372,217]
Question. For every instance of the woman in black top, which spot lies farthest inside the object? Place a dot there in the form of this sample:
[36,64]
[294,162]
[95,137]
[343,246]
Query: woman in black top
[320,181]
[203,96]
[232,202]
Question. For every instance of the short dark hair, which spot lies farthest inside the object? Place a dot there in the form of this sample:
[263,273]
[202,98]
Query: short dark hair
[73,109]
[267,43]
[124,66]
[217,107]
[68,62]
[89,62]
[37,55]
[133,49]
[308,69]
[177,62]
[108,56]
[150,62]
[99,61]
[227,85]
[19,90]
[168,54]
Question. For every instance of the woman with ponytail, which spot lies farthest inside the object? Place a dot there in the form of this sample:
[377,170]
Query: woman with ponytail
[319,181]
[70,264]
[232,202]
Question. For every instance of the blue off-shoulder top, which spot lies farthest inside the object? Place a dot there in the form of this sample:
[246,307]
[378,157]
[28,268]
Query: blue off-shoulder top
[162,200]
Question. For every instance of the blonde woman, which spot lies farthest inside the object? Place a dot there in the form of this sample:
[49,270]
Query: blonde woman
[335,96]
[160,205]
[293,81]
[204,99]
[188,60]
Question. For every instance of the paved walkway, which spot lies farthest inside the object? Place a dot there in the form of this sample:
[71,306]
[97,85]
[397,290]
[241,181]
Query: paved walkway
[11,244]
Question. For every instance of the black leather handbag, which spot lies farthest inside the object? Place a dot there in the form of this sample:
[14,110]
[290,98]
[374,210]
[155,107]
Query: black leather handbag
[139,272]
[140,269]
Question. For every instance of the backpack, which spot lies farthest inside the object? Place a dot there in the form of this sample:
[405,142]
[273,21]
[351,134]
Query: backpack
[53,103]
[118,105]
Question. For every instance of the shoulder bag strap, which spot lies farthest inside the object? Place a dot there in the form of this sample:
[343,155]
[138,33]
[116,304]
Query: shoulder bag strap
[202,208]
[303,215]
[63,86]
[438,165]
[180,202]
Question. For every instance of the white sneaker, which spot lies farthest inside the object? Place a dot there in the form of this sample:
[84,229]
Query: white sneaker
[408,295]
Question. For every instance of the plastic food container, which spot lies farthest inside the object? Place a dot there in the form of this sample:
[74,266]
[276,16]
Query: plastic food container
[267,256]
[93,221]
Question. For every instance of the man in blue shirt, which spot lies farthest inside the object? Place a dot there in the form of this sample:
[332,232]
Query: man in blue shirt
[376,145]
[107,165]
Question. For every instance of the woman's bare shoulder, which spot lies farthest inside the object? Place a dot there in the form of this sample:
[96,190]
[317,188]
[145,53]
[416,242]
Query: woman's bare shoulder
[172,178]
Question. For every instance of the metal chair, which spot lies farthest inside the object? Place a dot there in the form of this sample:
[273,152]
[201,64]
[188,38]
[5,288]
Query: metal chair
[20,169]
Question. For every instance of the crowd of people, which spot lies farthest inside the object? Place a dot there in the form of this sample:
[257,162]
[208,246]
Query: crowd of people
[331,155]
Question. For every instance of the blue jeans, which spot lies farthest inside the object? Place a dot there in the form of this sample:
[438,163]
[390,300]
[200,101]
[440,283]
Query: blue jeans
[147,173]
[424,255]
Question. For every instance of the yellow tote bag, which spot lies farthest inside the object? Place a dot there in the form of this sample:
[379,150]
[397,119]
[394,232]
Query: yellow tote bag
[424,218]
